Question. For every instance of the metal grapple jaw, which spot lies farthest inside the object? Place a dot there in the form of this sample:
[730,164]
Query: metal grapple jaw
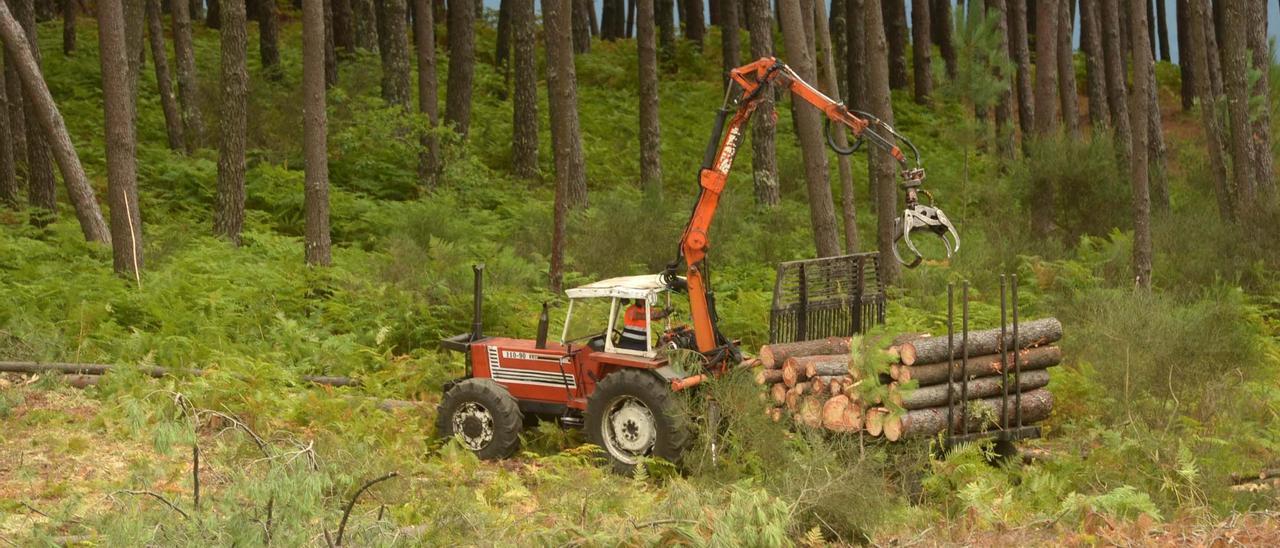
[918,217]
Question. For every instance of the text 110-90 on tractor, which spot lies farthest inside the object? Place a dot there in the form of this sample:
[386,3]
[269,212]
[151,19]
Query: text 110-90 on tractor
[626,398]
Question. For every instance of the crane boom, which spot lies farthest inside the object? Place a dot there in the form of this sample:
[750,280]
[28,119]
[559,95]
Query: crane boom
[749,83]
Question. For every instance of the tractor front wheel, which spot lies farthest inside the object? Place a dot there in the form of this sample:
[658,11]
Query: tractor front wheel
[633,414]
[482,414]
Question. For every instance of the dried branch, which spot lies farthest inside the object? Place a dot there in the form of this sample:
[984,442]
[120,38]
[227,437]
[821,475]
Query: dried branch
[342,525]
[195,475]
[157,497]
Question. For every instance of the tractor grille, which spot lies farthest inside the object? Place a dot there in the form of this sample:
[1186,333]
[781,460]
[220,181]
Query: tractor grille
[828,297]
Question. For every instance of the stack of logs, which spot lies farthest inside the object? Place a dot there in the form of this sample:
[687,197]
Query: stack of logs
[813,381]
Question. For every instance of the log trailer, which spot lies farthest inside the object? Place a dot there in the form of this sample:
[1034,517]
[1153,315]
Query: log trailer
[626,398]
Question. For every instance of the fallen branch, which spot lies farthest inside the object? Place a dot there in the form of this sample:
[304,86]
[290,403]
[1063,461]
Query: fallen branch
[342,525]
[157,497]
[34,368]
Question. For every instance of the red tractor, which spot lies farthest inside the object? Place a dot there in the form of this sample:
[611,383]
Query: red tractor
[626,398]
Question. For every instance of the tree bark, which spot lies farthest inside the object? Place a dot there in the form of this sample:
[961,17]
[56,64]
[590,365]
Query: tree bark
[881,166]
[920,50]
[895,32]
[462,59]
[1030,359]
[1264,166]
[729,45]
[650,132]
[1162,29]
[566,141]
[213,15]
[1004,104]
[691,17]
[364,24]
[43,116]
[1067,70]
[428,100]
[195,9]
[41,184]
[987,341]
[17,114]
[629,27]
[986,387]
[524,145]
[228,219]
[168,102]
[1047,90]
[823,366]
[135,40]
[856,59]
[772,356]
[1036,406]
[831,87]
[764,161]
[942,20]
[1022,59]
[69,27]
[1235,80]
[809,128]
[1116,88]
[314,130]
[268,41]
[1197,11]
[1214,55]
[343,33]
[582,10]
[1156,162]
[330,50]
[396,88]
[1095,67]
[666,28]
[1186,70]
[9,190]
[502,44]
[184,58]
[118,108]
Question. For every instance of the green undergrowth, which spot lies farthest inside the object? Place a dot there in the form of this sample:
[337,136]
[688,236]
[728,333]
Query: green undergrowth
[1161,398]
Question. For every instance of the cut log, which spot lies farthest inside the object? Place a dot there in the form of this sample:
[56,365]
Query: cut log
[102,369]
[791,374]
[794,396]
[893,426]
[768,376]
[986,387]
[853,416]
[837,417]
[778,392]
[894,396]
[985,366]
[985,413]
[875,420]
[818,385]
[811,411]
[774,355]
[934,349]
[775,414]
[907,337]
[834,364]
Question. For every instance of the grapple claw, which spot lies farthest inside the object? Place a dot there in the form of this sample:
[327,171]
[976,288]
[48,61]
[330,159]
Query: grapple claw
[918,217]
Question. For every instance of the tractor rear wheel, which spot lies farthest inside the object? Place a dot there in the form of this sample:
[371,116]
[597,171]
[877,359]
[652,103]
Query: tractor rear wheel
[483,415]
[633,414]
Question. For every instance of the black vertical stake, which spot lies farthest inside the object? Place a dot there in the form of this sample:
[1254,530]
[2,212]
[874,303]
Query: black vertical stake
[1017,363]
[951,361]
[964,360]
[1004,359]
[802,323]
[860,286]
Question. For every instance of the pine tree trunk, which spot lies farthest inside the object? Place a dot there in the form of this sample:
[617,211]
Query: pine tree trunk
[428,101]
[713,12]
[582,10]
[1139,169]
[1158,164]
[895,33]
[1198,11]
[650,143]
[828,79]
[809,129]
[692,19]
[1117,93]
[666,10]
[1186,70]
[228,219]
[1004,104]
[330,49]
[396,88]
[1091,43]
[985,387]
[840,45]
[462,60]
[566,141]
[987,341]
[1047,101]
[9,190]
[1067,70]
[195,9]
[1022,59]
[364,24]
[168,102]
[920,50]
[941,19]
[502,49]
[729,45]
[343,32]
[881,166]
[856,60]
[135,40]
[629,27]
[69,27]
[188,91]
[764,162]
[1162,29]
[268,41]
[44,118]
[213,15]
[17,114]
[524,150]
[1214,55]
[41,184]
[591,17]
[118,106]
[314,131]
[1235,80]
[1260,117]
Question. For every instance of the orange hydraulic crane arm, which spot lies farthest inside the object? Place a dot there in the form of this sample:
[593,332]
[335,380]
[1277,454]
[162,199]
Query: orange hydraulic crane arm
[750,83]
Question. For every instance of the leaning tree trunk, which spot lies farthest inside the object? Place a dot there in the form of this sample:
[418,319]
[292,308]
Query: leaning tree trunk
[1022,59]
[524,143]
[1235,80]
[188,91]
[168,102]
[9,191]
[1095,67]
[1260,118]
[314,128]
[650,142]
[985,387]
[764,162]
[1139,171]
[228,218]
[1029,359]
[881,166]
[45,118]
[1067,70]
[987,341]
[268,42]
[42,187]
[920,50]
[396,89]
[118,107]
[895,31]
[809,127]
[566,141]
[69,27]
[17,114]
[462,60]
[829,86]
[1117,94]
[1197,11]
[1214,55]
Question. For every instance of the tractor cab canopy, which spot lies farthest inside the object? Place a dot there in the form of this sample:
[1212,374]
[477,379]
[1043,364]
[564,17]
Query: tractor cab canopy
[619,292]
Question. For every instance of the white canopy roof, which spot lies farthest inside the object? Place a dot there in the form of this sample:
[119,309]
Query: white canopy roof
[624,287]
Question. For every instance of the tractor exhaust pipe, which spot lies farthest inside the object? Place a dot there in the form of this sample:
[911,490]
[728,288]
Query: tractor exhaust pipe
[477,322]
[543,320]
